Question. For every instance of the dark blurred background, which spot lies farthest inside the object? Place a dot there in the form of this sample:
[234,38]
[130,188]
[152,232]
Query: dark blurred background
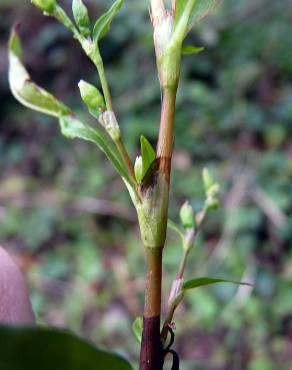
[65,214]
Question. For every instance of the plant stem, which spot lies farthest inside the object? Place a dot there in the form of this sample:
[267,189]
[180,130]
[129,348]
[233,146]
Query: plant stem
[104,84]
[124,154]
[182,265]
[180,273]
[165,139]
[151,356]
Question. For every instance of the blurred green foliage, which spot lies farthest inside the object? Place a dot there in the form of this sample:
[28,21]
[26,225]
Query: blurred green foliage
[67,218]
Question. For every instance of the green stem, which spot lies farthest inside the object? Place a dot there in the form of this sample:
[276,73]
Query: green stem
[125,156]
[62,17]
[104,84]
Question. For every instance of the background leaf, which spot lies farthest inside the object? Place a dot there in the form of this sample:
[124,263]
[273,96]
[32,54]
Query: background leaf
[47,349]
[196,283]
[137,328]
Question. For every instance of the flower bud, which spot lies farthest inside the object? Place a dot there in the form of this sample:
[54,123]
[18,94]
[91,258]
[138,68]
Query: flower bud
[108,120]
[45,5]
[138,169]
[207,179]
[81,17]
[187,216]
[91,96]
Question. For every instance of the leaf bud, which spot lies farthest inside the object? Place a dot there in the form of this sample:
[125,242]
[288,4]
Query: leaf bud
[47,6]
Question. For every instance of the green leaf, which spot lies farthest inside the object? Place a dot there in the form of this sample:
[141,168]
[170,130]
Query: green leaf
[190,49]
[81,17]
[102,25]
[73,128]
[48,349]
[190,12]
[137,328]
[148,155]
[196,283]
[26,91]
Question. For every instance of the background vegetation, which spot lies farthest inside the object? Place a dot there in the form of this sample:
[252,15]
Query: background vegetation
[67,218]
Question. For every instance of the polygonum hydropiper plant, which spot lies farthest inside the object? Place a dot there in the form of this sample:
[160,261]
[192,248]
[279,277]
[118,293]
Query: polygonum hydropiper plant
[148,178]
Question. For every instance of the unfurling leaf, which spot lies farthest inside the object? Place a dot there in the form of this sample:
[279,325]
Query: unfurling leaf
[47,349]
[92,98]
[26,91]
[148,155]
[47,6]
[103,23]
[189,50]
[137,328]
[196,283]
[81,17]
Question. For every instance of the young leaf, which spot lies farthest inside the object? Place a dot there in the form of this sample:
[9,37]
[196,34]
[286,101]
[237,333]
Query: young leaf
[47,349]
[102,25]
[72,128]
[137,328]
[148,155]
[189,50]
[81,17]
[26,91]
[196,283]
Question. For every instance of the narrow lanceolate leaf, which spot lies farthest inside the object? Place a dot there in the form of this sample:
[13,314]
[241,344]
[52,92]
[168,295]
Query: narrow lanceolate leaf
[52,349]
[24,89]
[103,24]
[196,283]
[81,17]
[148,155]
[73,128]
[137,328]
[189,50]
[191,12]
